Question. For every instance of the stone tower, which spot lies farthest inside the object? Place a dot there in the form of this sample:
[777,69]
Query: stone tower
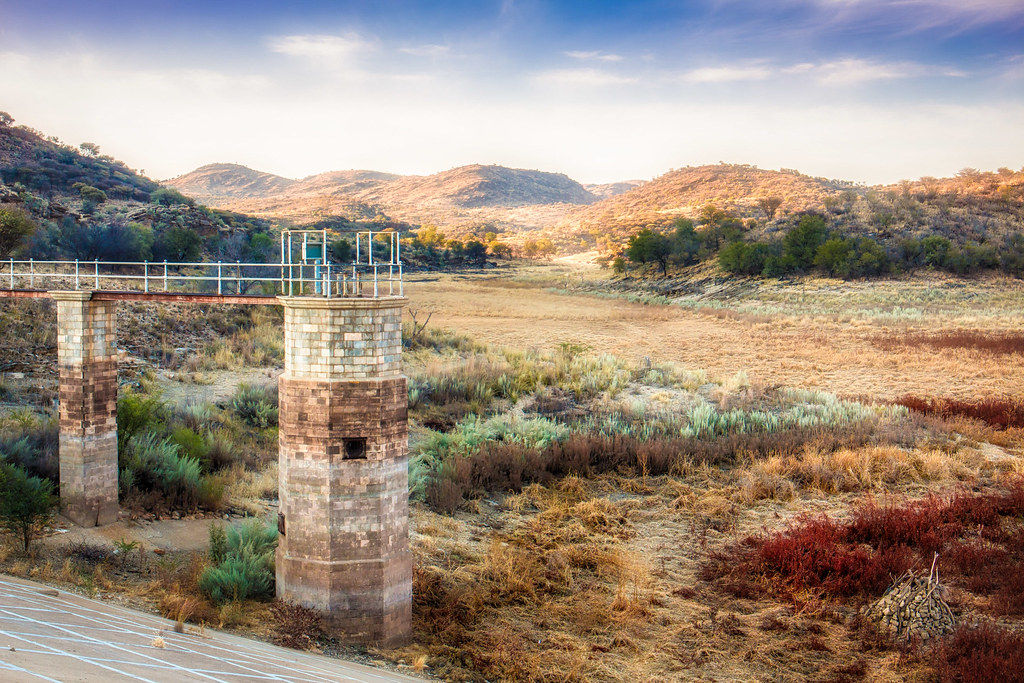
[87,360]
[344,515]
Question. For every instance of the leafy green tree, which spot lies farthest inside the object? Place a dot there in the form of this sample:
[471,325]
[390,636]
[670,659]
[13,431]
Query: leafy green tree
[5,119]
[341,250]
[836,256]
[90,149]
[476,253]
[26,503]
[648,246]
[15,229]
[1011,256]
[911,252]
[871,258]
[685,242]
[261,246]
[177,245]
[732,256]
[934,249]
[800,245]
[745,258]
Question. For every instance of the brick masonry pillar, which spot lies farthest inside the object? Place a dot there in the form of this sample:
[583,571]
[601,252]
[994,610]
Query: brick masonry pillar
[344,483]
[87,360]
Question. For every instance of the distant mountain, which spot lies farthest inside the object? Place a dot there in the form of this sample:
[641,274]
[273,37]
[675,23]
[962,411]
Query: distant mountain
[228,180]
[467,195]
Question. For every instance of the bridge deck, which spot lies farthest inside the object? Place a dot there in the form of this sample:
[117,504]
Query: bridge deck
[164,297]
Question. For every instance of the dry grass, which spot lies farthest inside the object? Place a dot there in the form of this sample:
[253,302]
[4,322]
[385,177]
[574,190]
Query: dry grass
[249,490]
[578,581]
[820,335]
[873,468]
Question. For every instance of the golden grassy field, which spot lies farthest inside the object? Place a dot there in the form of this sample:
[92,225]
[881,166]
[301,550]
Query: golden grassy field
[841,348]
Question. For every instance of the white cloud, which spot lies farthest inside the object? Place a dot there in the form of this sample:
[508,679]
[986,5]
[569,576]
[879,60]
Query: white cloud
[856,71]
[727,74]
[593,55]
[321,47]
[922,14]
[426,50]
[594,78]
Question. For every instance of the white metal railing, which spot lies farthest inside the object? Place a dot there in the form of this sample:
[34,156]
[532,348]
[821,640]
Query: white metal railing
[364,277]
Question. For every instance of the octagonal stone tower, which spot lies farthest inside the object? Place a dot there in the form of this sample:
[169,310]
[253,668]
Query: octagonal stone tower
[87,360]
[344,517]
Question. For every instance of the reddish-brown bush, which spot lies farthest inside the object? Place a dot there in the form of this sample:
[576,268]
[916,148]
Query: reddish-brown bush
[999,343]
[1000,413]
[881,541]
[815,554]
[981,654]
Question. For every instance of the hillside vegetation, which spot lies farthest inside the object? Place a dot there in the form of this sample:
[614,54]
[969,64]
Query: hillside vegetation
[76,203]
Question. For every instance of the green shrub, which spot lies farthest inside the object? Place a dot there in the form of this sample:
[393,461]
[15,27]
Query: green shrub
[244,563]
[237,578]
[190,444]
[256,405]
[26,503]
[135,412]
[218,544]
[153,464]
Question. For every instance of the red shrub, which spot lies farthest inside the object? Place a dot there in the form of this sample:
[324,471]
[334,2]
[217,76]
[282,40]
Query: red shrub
[1009,599]
[999,413]
[880,542]
[814,554]
[982,654]
[999,343]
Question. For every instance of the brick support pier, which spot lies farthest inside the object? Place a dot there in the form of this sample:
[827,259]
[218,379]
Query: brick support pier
[87,359]
[344,489]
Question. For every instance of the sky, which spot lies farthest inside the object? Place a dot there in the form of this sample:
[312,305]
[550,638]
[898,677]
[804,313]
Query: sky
[871,91]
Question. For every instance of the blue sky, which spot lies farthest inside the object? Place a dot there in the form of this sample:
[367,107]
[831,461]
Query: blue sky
[865,90]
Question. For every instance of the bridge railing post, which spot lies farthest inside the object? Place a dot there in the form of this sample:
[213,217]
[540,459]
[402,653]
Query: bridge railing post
[31,274]
[76,273]
[96,263]
[219,282]
[145,277]
[165,275]
[12,273]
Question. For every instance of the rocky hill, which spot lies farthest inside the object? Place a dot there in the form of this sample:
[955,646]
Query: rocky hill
[216,181]
[683,192]
[460,197]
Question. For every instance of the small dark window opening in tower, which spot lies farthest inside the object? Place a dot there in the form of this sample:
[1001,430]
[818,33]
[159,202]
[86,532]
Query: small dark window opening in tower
[355,449]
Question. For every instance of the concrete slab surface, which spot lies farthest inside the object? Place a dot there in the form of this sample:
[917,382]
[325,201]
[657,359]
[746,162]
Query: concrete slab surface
[49,635]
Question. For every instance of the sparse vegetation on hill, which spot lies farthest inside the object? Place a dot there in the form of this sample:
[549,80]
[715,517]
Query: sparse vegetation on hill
[80,204]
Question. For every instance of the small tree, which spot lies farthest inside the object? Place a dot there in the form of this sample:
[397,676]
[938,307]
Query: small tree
[5,119]
[476,253]
[769,205]
[15,228]
[90,148]
[26,503]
